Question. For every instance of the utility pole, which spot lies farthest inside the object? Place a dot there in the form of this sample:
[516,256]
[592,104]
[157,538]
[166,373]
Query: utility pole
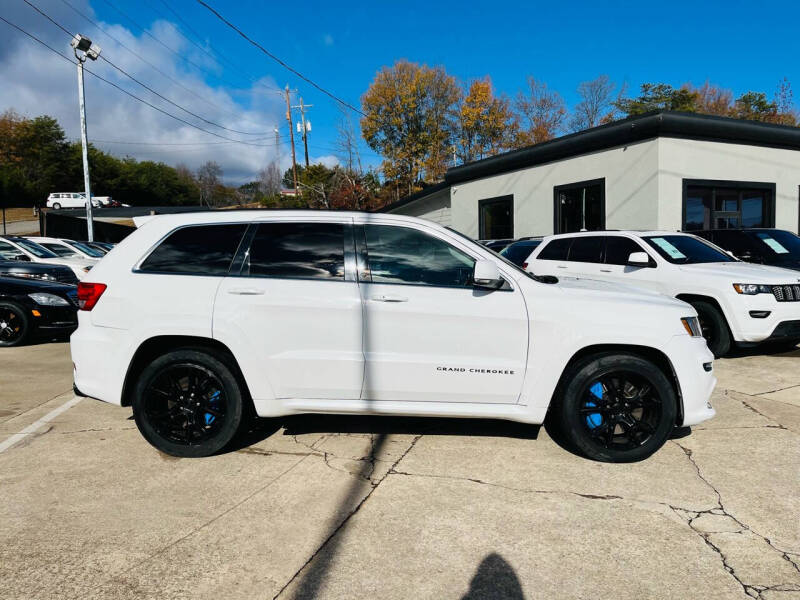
[88,50]
[304,127]
[291,138]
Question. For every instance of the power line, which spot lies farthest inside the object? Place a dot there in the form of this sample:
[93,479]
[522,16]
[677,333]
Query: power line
[144,85]
[278,60]
[147,62]
[123,90]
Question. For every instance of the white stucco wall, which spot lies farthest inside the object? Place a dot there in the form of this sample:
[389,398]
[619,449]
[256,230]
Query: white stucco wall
[691,159]
[435,207]
[631,174]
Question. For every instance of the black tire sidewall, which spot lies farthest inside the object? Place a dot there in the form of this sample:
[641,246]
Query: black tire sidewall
[26,324]
[233,392]
[590,369]
[711,314]
[56,206]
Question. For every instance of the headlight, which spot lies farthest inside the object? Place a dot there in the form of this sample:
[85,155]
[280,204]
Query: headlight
[751,289]
[48,299]
[692,326]
[45,276]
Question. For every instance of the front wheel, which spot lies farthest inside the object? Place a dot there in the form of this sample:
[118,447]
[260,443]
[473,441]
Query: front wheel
[616,407]
[188,403]
[56,205]
[14,324]
[714,328]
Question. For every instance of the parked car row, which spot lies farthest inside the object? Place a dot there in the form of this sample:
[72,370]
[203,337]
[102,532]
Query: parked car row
[78,256]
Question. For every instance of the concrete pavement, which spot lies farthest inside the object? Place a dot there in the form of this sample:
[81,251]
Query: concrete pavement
[358,507]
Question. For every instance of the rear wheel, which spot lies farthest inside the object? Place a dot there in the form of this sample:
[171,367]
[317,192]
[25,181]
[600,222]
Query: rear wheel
[188,403]
[56,205]
[714,328]
[616,407]
[14,324]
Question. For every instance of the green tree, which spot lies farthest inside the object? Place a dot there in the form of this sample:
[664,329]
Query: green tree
[659,96]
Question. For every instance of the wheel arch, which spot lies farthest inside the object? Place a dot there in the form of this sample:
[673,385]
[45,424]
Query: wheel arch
[156,346]
[654,355]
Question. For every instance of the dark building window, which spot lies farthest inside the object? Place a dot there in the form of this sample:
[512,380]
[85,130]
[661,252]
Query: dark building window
[580,206]
[727,204]
[196,250]
[496,218]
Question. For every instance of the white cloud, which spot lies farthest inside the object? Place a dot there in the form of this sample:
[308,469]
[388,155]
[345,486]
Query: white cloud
[36,82]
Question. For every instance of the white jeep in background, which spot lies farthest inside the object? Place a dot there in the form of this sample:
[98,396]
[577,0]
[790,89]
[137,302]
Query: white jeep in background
[736,301]
[195,320]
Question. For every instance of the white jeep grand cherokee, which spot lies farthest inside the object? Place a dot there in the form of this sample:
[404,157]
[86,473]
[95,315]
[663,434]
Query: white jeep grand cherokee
[736,301]
[197,320]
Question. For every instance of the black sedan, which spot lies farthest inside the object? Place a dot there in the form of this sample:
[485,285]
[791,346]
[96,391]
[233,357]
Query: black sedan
[41,271]
[29,308]
[519,251]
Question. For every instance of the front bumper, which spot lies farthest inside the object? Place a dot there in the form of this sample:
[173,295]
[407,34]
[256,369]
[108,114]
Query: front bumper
[52,319]
[749,329]
[688,356]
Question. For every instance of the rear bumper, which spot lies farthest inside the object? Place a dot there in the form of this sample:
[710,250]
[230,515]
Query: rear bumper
[688,356]
[99,360]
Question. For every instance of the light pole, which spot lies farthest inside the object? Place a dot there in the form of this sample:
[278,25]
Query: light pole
[87,50]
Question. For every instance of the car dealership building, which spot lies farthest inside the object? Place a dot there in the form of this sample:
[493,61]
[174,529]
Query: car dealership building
[661,170]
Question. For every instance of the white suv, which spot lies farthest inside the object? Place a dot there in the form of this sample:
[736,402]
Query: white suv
[195,320]
[736,301]
[69,200]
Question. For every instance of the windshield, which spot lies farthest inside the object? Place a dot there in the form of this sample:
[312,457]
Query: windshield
[686,250]
[35,249]
[517,253]
[779,244]
[58,249]
[86,249]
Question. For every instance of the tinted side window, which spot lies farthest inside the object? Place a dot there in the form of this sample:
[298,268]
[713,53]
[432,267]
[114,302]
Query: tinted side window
[588,249]
[199,250]
[619,249]
[404,255]
[556,250]
[298,251]
[8,252]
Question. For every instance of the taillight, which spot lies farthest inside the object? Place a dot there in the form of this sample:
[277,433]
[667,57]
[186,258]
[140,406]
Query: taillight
[89,294]
[524,266]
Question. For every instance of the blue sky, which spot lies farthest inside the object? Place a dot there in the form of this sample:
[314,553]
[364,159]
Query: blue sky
[734,44]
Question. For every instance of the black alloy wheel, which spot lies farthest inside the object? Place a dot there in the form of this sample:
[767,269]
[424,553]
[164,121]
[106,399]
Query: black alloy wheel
[14,324]
[188,403]
[615,407]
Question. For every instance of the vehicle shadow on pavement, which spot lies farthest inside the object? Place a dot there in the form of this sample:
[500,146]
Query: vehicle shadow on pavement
[495,578]
[298,424]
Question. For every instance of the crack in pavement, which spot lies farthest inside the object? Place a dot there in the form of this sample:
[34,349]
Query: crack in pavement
[753,591]
[788,387]
[375,441]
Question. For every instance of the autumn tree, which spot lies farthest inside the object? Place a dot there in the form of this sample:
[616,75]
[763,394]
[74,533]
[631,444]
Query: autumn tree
[542,112]
[487,124]
[784,103]
[596,103]
[410,119]
[711,99]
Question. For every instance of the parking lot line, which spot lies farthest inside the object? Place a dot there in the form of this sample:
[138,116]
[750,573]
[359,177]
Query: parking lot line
[18,437]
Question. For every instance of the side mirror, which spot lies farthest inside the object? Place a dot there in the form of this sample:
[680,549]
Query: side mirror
[639,259]
[487,275]
[22,258]
[746,256]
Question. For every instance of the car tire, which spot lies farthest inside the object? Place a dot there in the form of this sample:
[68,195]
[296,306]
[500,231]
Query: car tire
[615,407]
[15,326]
[715,328]
[56,205]
[189,403]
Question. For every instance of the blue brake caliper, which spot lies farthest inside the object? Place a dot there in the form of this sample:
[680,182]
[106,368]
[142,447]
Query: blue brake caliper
[213,402]
[594,419]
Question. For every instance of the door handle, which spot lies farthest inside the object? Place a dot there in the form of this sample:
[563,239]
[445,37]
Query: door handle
[246,291]
[561,266]
[605,270]
[389,298]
